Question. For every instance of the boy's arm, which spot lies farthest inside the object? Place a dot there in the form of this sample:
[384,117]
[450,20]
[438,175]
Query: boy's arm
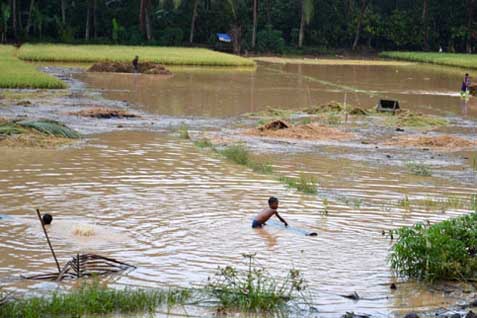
[281,219]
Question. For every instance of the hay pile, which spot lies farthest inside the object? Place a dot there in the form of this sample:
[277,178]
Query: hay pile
[119,67]
[444,142]
[104,113]
[313,131]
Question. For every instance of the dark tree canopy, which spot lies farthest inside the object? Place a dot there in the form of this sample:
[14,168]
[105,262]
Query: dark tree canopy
[262,25]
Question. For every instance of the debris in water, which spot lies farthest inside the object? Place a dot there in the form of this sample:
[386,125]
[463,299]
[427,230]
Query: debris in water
[353,296]
[85,265]
[385,105]
[84,230]
[121,67]
[104,113]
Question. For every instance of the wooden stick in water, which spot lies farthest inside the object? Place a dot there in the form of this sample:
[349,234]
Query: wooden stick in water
[48,240]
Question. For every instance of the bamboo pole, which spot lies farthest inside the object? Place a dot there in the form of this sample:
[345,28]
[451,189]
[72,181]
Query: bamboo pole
[48,240]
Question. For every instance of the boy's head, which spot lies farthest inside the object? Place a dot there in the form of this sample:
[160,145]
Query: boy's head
[273,203]
[47,218]
[466,74]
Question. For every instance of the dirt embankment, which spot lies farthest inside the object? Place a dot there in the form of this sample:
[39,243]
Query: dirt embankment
[119,67]
[313,131]
[441,143]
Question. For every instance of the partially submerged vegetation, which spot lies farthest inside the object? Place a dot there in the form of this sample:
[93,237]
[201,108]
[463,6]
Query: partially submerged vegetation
[414,120]
[36,133]
[93,299]
[18,74]
[449,59]
[442,251]
[304,183]
[419,169]
[253,290]
[118,53]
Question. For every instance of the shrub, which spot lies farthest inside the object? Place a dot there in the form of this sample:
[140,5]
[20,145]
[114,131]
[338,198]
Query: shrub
[304,183]
[443,251]
[254,290]
[419,169]
[270,41]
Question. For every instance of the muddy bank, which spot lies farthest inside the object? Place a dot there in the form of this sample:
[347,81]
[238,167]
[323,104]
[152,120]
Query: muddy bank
[444,143]
[147,68]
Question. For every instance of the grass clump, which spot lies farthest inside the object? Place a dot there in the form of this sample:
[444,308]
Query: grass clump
[405,203]
[304,183]
[93,299]
[443,251]
[413,120]
[203,143]
[183,131]
[419,169]
[119,53]
[253,290]
[240,155]
[17,74]
[449,59]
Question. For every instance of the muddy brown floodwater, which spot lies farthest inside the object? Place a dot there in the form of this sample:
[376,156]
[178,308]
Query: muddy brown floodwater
[177,212]
[196,92]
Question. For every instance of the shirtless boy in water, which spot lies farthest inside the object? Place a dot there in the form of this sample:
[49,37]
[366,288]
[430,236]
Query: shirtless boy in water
[267,213]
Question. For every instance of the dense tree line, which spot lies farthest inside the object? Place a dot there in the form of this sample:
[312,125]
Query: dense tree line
[255,25]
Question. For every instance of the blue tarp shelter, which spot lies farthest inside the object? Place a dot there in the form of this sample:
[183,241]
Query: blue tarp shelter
[224,37]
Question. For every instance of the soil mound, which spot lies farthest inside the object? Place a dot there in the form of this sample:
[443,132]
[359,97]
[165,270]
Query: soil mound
[335,107]
[314,131]
[444,142]
[120,67]
[104,113]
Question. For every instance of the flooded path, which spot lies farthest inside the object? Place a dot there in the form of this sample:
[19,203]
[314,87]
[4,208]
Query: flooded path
[178,212]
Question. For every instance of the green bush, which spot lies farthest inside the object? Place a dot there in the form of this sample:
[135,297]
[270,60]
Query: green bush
[270,41]
[254,290]
[443,251]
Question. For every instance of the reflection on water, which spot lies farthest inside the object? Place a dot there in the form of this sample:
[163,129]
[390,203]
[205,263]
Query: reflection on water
[178,213]
[429,89]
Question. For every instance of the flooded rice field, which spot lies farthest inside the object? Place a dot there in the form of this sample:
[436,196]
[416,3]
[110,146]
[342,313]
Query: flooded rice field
[177,212]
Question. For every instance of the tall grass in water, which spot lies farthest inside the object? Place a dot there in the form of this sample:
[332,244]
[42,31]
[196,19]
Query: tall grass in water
[304,183]
[92,299]
[240,155]
[17,74]
[254,290]
[118,53]
[184,131]
[450,59]
[419,169]
[443,251]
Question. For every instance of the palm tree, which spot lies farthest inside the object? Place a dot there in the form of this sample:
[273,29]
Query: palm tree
[362,11]
[144,18]
[235,27]
[254,27]
[307,10]
[194,17]
[14,19]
